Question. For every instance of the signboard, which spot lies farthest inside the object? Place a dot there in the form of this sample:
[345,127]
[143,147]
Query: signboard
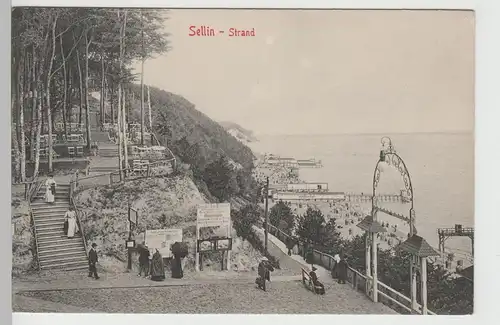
[133,215]
[162,239]
[130,243]
[214,215]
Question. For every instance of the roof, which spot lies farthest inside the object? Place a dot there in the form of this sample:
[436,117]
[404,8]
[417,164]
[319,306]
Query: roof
[367,224]
[418,246]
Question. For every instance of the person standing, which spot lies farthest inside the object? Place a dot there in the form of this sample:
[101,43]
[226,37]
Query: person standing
[264,271]
[50,190]
[93,259]
[157,267]
[144,260]
[70,219]
[342,267]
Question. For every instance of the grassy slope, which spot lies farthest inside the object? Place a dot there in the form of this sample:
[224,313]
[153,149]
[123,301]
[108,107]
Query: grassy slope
[22,255]
[175,117]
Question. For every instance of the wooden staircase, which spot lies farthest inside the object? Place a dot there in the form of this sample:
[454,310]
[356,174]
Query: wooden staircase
[55,250]
[108,151]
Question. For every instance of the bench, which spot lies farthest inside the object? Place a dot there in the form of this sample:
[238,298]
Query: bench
[308,283]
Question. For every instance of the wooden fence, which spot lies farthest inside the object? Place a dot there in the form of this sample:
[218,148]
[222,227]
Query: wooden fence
[359,282]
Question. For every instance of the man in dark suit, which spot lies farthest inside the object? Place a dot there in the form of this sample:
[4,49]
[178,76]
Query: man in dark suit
[92,262]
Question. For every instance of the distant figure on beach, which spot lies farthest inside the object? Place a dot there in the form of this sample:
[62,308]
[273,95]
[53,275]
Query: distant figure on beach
[157,267]
[318,286]
[264,271]
[144,259]
[93,259]
[70,222]
[342,267]
[50,190]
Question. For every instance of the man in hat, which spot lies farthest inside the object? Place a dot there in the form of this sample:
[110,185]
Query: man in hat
[264,271]
[318,286]
[93,259]
[144,259]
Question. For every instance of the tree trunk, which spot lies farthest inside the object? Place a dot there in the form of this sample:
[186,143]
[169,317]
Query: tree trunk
[87,108]
[34,121]
[122,39]
[120,129]
[20,79]
[14,110]
[120,135]
[38,129]
[142,81]
[47,90]
[125,134]
[65,85]
[150,118]
[69,103]
[112,100]
[103,116]
[80,79]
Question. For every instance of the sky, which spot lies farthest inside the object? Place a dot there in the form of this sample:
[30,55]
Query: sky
[324,71]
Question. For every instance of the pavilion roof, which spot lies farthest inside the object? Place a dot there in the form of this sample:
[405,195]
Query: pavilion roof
[368,224]
[418,246]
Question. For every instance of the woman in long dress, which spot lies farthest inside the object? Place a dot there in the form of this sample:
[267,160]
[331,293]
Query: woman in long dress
[70,217]
[157,267]
[50,190]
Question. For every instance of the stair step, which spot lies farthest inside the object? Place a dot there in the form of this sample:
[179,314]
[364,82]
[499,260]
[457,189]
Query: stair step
[47,206]
[64,259]
[57,240]
[75,252]
[49,226]
[50,233]
[40,221]
[47,212]
[51,246]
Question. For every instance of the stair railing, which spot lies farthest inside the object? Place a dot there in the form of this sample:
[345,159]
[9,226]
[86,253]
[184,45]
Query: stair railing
[72,188]
[30,191]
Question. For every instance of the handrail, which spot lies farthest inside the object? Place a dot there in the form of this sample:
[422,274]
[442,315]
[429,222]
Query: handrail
[74,182]
[394,291]
[77,213]
[29,198]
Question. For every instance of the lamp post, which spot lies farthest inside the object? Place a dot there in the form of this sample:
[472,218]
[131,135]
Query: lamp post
[415,245]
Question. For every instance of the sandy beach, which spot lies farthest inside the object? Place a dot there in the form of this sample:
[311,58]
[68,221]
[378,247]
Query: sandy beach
[347,214]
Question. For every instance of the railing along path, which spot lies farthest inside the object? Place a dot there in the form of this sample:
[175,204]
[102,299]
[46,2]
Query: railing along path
[359,281]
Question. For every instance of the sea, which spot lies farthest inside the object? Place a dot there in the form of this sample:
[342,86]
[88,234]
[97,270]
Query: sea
[441,167]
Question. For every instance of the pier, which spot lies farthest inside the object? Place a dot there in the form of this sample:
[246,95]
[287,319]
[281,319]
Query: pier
[458,231]
[361,198]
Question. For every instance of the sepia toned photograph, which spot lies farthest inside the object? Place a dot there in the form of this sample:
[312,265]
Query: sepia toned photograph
[242,161]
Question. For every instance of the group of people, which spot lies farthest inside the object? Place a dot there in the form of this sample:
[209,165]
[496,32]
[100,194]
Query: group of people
[339,271]
[155,269]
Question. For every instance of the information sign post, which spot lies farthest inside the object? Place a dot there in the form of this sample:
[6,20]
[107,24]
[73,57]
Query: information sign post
[213,215]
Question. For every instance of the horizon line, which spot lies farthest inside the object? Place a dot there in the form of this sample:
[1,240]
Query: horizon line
[367,133]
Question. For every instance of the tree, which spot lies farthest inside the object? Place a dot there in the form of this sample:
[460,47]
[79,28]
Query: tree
[282,212]
[245,219]
[218,176]
[310,226]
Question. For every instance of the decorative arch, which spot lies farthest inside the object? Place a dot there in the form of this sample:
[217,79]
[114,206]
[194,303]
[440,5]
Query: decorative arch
[389,156]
